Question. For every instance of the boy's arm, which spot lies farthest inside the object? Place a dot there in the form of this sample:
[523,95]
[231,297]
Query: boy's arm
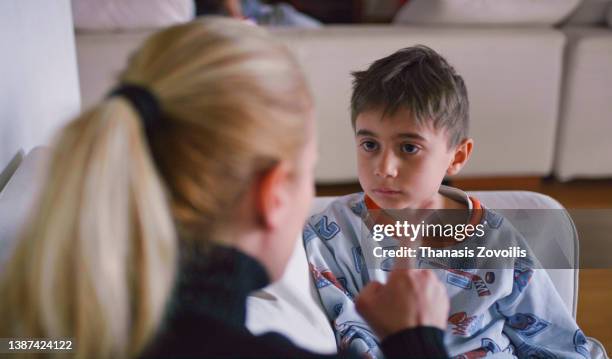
[333,283]
[537,321]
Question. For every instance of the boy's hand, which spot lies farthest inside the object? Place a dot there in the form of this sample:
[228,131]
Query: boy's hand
[411,298]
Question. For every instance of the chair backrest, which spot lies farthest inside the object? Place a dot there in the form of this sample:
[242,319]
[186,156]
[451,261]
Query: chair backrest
[565,280]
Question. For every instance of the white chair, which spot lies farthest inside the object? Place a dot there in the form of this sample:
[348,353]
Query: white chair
[292,300]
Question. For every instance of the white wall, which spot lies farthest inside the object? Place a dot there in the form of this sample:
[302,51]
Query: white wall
[39,88]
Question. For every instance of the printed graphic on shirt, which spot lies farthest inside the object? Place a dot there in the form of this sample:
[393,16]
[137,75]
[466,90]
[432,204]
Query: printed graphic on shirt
[493,219]
[463,324]
[358,259]
[387,264]
[531,351]
[488,347]
[580,344]
[319,279]
[353,335]
[479,284]
[459,280]
[527,324]
[326,229]
[522,276]
[357,208]
[325,277]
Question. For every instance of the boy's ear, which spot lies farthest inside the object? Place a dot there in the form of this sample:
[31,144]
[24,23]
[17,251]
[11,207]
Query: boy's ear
[461,155]
[272,195]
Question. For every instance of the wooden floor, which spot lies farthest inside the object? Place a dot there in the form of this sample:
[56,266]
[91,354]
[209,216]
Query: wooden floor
[595,293]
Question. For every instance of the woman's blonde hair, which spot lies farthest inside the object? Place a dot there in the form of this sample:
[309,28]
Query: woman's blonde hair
[97,260]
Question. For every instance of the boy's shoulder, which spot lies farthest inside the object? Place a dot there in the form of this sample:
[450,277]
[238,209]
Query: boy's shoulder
[488,216]
[335,215]
[351,205]
[498,228]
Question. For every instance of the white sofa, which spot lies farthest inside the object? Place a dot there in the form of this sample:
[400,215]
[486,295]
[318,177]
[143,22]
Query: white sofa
[514,97]
[515,78]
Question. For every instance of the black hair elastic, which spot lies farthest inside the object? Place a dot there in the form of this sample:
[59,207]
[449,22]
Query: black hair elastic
[144,101]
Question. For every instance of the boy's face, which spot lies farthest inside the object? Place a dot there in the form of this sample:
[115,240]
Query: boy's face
[401,164]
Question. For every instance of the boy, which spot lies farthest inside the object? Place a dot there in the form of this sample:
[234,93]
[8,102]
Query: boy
[410,117]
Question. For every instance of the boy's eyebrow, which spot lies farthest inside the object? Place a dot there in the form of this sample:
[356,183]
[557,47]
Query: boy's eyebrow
[363,132]
[408,135]
[411,135]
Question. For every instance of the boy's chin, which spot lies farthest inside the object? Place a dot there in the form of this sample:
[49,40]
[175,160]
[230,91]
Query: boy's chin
[390,202]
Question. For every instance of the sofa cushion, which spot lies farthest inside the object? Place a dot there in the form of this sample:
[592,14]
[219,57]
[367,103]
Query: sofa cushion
[130,14]
[485,12]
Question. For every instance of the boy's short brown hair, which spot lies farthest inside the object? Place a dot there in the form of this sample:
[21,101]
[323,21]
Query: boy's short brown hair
[419,79]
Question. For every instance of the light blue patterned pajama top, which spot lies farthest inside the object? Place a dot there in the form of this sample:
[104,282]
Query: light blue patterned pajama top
[509,312]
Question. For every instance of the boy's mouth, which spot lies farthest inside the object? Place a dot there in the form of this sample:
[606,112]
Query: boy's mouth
[383,191]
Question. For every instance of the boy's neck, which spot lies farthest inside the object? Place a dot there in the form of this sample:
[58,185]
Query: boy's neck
[437,201]
[440,201]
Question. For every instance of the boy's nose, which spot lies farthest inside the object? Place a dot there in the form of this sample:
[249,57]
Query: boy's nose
[387,165]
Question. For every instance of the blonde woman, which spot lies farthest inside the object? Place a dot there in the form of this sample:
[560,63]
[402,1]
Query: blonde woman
[177,195]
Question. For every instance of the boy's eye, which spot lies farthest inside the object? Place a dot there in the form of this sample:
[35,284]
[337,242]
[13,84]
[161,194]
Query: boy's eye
[369,146]
[408,148]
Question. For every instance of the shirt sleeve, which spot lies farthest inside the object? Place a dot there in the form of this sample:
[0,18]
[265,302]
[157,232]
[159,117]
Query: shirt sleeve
[419,342]
[352,332]
[536,319]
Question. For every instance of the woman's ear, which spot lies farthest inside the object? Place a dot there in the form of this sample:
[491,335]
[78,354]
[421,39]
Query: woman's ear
[460,157]
[272,195]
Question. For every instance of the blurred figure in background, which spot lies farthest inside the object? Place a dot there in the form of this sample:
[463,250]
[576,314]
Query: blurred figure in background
[258,12]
